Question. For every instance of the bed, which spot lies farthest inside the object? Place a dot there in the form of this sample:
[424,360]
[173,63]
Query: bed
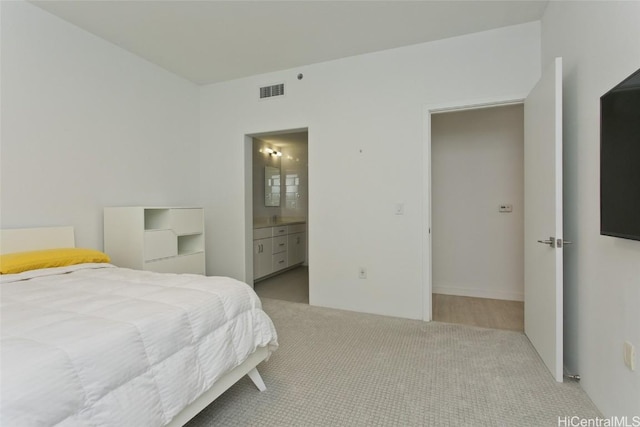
[93,344]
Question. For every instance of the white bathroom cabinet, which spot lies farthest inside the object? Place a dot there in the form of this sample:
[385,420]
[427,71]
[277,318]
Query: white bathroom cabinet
[262,257]
[278,248]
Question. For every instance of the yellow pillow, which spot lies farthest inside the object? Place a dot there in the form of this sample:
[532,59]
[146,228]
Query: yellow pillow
[23,261]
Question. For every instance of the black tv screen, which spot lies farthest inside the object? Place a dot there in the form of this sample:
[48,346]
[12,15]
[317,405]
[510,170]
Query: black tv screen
[620,160]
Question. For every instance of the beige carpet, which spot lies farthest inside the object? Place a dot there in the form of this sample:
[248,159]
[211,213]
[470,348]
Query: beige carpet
[338,368]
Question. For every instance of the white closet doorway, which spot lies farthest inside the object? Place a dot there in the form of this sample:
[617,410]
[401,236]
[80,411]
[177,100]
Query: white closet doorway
[477,208]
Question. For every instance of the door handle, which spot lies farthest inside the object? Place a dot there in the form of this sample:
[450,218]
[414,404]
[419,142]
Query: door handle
[561,243]
[551,242]
[555,243]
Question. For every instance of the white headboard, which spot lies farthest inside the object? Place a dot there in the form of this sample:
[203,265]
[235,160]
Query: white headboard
[31,239]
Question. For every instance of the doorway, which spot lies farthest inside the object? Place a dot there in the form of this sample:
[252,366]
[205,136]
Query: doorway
[543,231]
[477,216]
[280,199]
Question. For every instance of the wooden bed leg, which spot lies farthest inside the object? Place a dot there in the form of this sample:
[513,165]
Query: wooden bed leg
[257,379]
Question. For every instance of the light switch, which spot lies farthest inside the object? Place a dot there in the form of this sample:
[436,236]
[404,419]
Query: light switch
[399,209]
[629,355]
[506,208]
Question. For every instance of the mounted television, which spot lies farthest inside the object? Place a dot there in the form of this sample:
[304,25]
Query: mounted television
[620,160]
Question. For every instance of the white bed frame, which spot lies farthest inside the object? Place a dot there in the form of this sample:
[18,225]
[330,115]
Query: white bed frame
[29,239]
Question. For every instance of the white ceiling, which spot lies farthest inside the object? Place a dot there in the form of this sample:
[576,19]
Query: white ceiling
[212,41]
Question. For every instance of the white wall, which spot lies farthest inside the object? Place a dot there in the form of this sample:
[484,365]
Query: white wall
[365,120]
[477,159]
[600,44]
[87,125]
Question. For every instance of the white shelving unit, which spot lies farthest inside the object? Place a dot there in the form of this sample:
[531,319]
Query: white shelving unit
[162,239]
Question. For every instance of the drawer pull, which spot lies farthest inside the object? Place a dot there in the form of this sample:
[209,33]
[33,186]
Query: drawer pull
[281,244]
[281,262]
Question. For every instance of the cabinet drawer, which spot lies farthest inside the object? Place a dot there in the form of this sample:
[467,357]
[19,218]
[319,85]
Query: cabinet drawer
[279,244]
[193,264]
[297,228]
[279,231]
[261,233]
[187,221]
[279,261]
[159,244]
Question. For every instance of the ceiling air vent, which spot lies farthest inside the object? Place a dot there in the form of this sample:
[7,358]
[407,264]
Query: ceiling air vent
[271,91]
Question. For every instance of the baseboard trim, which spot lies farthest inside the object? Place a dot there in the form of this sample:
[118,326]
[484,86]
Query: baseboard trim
[478,293]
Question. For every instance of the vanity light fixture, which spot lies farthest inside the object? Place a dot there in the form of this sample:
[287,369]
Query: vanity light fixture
[273,152]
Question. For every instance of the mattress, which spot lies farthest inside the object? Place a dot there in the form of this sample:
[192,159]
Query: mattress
[93,344]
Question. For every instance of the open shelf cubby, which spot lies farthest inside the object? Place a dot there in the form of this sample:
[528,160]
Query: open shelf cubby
[190,243]
[156,219]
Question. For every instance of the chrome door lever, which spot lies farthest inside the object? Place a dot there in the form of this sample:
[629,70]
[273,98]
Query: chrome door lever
[560,243]
[551,242]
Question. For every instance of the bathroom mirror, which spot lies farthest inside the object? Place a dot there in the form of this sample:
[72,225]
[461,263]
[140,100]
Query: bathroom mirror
[271,186]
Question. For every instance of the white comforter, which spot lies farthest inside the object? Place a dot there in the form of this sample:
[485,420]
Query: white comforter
[98,345]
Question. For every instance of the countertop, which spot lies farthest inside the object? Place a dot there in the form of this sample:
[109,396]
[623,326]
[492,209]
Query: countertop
[277,223]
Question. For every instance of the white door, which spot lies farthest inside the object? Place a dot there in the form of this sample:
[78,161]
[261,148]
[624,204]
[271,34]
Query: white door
[543,239]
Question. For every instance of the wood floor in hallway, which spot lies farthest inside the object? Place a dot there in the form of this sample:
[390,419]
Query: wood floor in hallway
[482,312]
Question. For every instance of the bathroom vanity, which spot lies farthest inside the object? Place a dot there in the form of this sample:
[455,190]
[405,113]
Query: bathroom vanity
[278,246]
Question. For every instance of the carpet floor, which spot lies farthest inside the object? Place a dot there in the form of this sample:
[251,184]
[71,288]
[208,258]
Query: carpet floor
[339,368]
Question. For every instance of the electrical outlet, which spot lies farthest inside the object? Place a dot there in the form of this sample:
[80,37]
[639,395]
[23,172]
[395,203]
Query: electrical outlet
[629,355]
[362,273]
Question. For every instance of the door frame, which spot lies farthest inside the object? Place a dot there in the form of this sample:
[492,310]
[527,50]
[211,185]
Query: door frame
[427,111]
[248,194]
